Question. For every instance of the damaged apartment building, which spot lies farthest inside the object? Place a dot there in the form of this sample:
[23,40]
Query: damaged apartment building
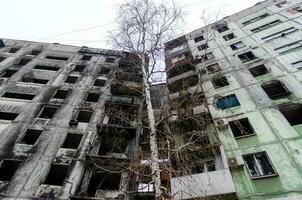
[69,122]
[240,79]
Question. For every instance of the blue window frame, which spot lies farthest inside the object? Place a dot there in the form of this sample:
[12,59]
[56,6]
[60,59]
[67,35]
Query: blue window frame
[228,102]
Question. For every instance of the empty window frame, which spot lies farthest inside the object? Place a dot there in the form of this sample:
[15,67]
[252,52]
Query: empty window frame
[220,82]
[35,52]
[241,128]
[8,169]
[246,57]
[72,141]
[8,116]
[208,166]
[79,68]
[258,70]
[275,89]
[221,28]
[34,80]
[203,47]
[295,10]
[56,174]
[71,79]
[23,61]
[57,58]
[237,45]
[255,19]
[229,36]
[93,97]
[84,116]
[48,112]
[266,26]
[213,68]
[45,67]
[227,102]
[198,39]
[103,181]
[2,44]
[2,58]
[13,50]
[86,57]
[13,95]
[8,73]
[297,65]
[259,165]
[104,70]
[109,60]
[99,82]
[279,34]
[31,136]
[289,47]
[61,94]
[292,112]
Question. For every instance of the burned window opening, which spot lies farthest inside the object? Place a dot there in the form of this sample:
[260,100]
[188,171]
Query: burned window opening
[103,181]
[56,174]
[292,112]
[57,58]
[13,50]
[93,97]
[221,28]
[220,82]
[246,57]
[61,94]
[71,79]
[109,60]
[35,52]
[13,95]
[79,68]
[49,68]
[259,165]
[86,57]
[104,70]
[31,136]
[241,128]
[229,37]
[8,169]
[258,70]
[8,73]
[84,116]
[8,116]
[275,89]
[99,82]
[23,62]
[48,112]
[202,47]
[72,141]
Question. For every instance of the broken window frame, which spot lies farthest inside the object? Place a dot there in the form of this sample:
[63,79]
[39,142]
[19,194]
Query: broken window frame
[7,73]
[222,27]
[30,136]
[79,68]
[99,82]
[203,47]
[256,169]
[57,94]
[198,38]
[229,36]
[242,128]
[292,113]
[213,68]
[93,97]
[227,102]
[43,115]
[6,174]
[72,141]
[247,57]
[220,82]
[55,178]
[84,112]
[14,50]
[237,45]
[47,68]
[61,58]
[17,95]
[275,83]
[71,79]
[86,57]
[258,70]
[9,116]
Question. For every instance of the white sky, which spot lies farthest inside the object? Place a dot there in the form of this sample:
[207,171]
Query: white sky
[87,22]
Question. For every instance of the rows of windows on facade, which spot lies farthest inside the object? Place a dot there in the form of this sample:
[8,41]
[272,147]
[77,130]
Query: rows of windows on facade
[31,136]
[259,164]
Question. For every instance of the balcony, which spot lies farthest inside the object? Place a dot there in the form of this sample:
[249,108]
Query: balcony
[126,88]
[185,61]
[202,185]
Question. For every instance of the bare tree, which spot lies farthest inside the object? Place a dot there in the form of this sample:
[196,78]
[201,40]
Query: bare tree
[143,26]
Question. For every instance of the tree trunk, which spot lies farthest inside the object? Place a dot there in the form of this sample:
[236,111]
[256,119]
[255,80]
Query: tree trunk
[153,139]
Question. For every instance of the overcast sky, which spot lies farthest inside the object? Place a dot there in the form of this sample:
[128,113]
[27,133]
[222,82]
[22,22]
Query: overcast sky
[87,22]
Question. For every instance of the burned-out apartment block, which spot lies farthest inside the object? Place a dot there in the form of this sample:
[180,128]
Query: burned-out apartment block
[239,80]
[69,122]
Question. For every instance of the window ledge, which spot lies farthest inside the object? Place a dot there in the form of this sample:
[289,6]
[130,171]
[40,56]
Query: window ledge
[265,176]
[245,136]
